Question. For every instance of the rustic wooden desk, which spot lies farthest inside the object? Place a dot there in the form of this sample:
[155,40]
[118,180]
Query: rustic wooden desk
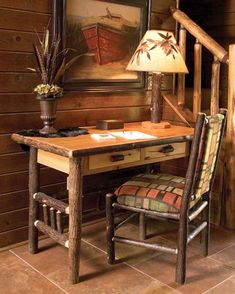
[83,155]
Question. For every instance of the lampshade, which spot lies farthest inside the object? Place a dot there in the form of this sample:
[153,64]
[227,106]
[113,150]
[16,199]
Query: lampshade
[158,52]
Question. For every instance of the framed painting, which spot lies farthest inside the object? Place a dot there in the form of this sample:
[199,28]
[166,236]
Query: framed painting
[105,34]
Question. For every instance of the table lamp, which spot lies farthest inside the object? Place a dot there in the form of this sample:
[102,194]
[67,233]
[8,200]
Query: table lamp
[157,53]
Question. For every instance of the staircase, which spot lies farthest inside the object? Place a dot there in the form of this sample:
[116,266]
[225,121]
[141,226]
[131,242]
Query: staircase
[225,207]
[188,102]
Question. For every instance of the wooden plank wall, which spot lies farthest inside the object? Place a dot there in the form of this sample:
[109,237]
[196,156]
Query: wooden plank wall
[19,110]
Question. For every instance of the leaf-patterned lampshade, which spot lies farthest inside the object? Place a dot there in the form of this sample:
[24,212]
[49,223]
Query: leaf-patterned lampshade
[158,52]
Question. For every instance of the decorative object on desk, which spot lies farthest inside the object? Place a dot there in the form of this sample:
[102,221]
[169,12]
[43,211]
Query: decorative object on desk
[51,66]
[68,132]
[109,124]
[157,53]
[65,132]
[48,96]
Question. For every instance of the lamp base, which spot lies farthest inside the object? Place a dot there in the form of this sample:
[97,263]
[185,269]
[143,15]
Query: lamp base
[150,125]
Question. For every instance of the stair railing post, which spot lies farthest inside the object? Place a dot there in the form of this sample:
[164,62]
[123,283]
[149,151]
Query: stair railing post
[181,77]
[215,76]
[229,183]
[197,89]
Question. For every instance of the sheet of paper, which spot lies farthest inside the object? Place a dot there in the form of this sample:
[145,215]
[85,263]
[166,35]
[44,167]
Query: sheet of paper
[132,135]
[101,137]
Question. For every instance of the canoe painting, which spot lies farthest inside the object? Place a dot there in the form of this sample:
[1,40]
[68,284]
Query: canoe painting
[108,36]
[108,30]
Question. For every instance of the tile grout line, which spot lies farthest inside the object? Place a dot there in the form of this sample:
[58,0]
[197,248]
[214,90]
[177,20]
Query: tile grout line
[219,284]
[219,261]
[138,270]
[146,259]
[228,246]
[87,242]
[28,264]
[222,249]
[154,279]
[224,265]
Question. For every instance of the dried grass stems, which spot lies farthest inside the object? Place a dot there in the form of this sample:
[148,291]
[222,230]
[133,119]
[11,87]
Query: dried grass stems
[51,63]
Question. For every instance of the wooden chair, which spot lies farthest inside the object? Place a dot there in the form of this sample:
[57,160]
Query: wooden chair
[173,198]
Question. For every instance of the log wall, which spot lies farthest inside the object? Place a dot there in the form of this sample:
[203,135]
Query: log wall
[19,110]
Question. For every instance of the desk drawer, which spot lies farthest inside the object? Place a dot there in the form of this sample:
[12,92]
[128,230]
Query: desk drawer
[164,151]
[113,159]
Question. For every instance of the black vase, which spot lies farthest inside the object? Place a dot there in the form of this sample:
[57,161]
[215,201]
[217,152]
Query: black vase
[48,115]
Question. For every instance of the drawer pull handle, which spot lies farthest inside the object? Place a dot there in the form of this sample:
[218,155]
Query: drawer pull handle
[117,157]
[167,149]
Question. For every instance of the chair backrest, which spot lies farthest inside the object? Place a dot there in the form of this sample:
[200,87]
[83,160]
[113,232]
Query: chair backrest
[204,154]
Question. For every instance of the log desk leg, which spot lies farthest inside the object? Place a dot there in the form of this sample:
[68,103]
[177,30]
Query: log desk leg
[75,211]
[33,205]
[75,217]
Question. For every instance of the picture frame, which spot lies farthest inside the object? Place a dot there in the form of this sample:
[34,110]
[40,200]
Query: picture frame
[105,34]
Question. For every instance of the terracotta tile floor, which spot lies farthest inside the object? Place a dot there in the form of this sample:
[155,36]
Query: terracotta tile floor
[137,271]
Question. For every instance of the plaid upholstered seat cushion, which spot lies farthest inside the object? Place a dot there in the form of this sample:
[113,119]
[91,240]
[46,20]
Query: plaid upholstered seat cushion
[157,192]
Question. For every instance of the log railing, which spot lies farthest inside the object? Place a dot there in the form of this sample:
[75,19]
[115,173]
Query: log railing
[220,56]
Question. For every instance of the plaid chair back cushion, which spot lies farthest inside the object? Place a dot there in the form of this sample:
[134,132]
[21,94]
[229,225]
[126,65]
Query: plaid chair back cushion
[209,156]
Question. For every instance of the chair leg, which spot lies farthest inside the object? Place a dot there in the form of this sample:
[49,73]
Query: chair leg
[110,228]
[182,253]
[142,226]
[205,234]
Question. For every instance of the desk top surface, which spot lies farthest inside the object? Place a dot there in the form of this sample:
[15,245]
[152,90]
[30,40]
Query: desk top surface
[86,145]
